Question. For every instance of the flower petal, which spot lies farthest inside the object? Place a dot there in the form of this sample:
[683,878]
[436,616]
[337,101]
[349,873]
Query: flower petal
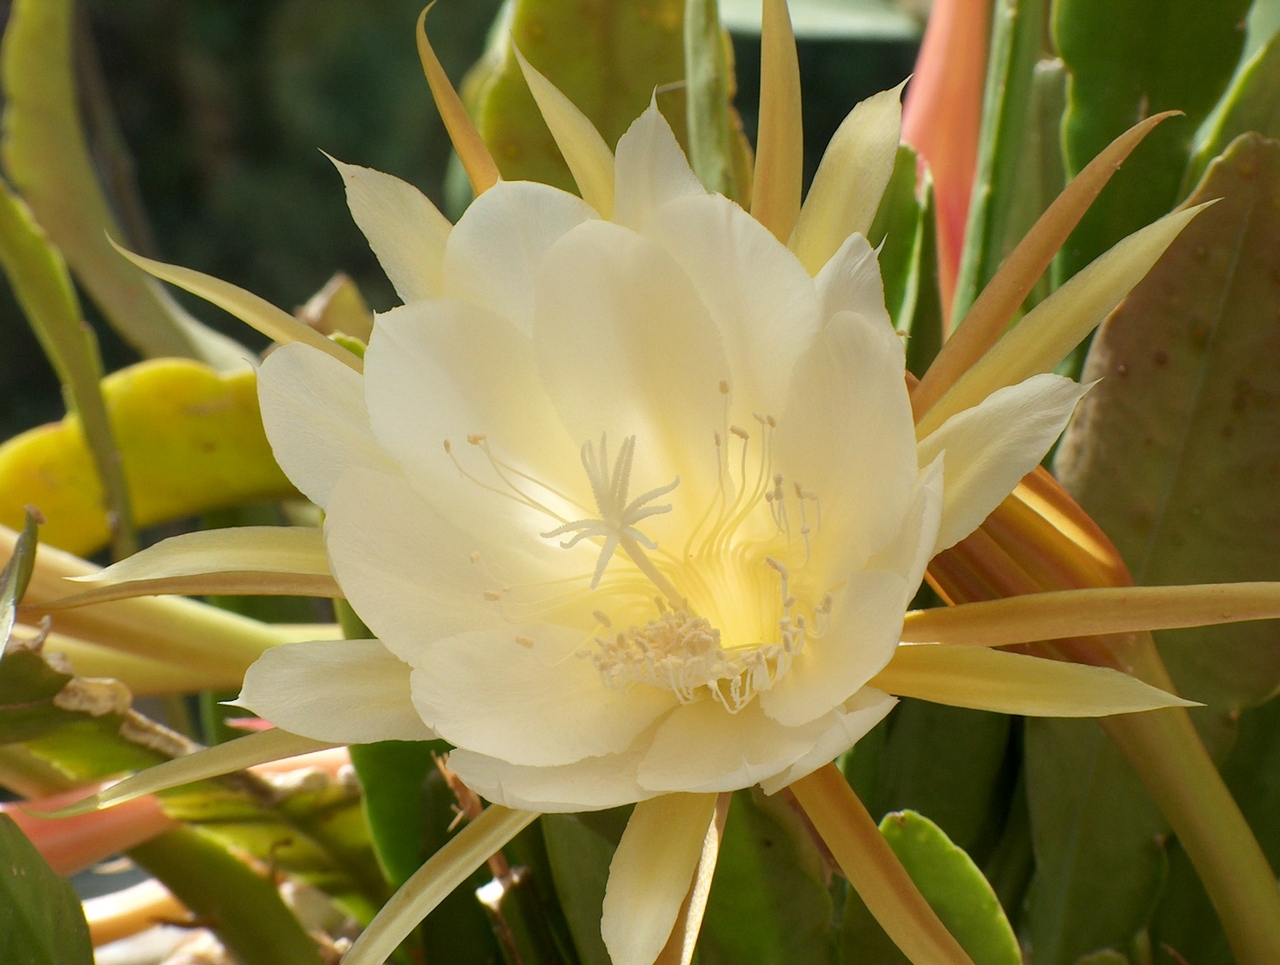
[988,448]
[522,694]
[449,370]
[850,282]
[405,230]
[411,574]
[313,411]
[650,170]
[850,723]
[758,295]
[851,179]
[343,691]
[590,784]
[651,873]
[702,747]
[494,251]
[846,435]
[1012,683]
[625,346]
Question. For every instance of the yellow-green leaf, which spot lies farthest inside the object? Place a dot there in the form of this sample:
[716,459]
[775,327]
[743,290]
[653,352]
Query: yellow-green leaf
[191,440]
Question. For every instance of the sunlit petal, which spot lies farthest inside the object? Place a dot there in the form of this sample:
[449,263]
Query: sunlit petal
[650,170]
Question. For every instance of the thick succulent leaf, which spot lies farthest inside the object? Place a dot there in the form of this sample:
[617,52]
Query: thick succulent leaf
[46,155]
[41,921]
[768,901]
[711,122]
[1174,452]
[14,579]
[1251,104]
[191,440]
[1098,839]
[39,278]
[896,233]
[579,850]
[1132,60]
[924,327]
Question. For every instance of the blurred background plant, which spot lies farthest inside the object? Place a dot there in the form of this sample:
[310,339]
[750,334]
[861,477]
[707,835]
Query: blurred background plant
[203,125]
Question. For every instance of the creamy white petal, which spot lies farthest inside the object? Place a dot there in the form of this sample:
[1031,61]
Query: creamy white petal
[861,639]
[850,282]
[314,413]
[846,434]
[760,298]
[625,346]
[449,370]
[850,723]
[651,873]
[650,170]
[590,784]
[911,552]
[494,251]
[851,178]
[406,231]
[411,574]
[987,449]
[523,694]
[344,691]
[702,747]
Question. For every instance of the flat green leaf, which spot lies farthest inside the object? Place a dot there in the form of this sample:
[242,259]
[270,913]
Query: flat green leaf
[579,856]
[1251,104]
[896,233]
[41,919]
[924,327]
[46,156]
[1098,839]
[708,97]
[393,775]
[1003,144]
[769,904]
[39,279]
[609,82]
[954,888]
[1176,453]
[1127,61]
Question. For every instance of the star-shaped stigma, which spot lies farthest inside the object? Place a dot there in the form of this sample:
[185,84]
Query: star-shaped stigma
[618,518]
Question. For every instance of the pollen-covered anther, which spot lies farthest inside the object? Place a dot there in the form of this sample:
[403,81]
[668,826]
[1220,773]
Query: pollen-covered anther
[492,596]
[525,642]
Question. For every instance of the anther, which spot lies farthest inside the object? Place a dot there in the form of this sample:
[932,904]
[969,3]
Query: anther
[491,596]
[448,447]
[525,642]
[475,438]
[475,557]
[724,386]
[602,618]
[739,432]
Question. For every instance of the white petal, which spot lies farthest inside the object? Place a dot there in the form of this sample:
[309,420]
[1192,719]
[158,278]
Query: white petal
[625,346]
[590,784]
[523,695]
[405,230]
[449,370]
[650,170]
[988,448]
[850,723]
[494,251]
[760,298]
[847,435]
[862,638]
[850,282]
[651,873]
[314,414]
[702,747]
[851,179]
[344,691]
[407,569]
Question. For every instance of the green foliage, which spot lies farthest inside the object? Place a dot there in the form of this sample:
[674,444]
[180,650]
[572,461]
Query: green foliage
[41,921]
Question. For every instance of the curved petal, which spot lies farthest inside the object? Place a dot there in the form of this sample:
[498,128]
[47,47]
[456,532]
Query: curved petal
[494,251]
[849,724]
[625,346]
[988,448]
[523,694]
[861,639]
[850,282]
[590,784]
[760,298]
[846,434]
[651,873]
[447,370]
[406,231]
[314,414]
[650,170]
[344,691]
[411,574]
[1012,683]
